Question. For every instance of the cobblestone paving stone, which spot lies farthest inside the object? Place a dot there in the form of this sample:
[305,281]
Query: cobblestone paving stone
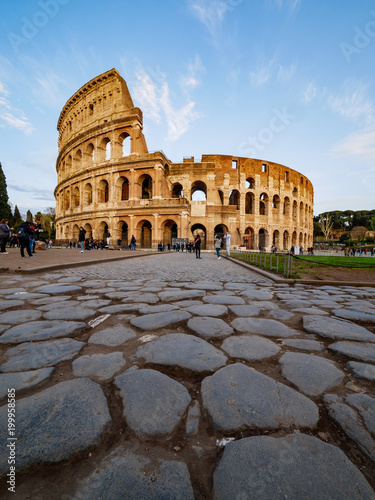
[172,377]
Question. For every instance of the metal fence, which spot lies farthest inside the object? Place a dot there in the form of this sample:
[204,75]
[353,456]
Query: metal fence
[281,263]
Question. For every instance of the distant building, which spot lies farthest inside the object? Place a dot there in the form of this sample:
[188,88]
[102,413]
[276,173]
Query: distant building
[109,181]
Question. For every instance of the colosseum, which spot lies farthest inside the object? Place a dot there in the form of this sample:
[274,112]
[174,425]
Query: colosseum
[109,181]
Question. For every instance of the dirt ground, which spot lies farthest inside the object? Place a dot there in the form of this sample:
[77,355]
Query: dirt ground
[340,274]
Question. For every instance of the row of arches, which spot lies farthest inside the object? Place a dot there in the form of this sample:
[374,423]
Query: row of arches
[262,238]
[88,154]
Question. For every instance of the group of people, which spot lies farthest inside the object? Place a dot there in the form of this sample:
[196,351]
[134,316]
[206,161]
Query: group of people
[26,236]
[218,243]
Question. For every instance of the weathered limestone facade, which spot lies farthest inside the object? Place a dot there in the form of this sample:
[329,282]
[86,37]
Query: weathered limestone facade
[107,180]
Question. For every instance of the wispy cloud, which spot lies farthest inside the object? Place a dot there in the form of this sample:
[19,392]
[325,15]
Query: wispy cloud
[13,117]
[360,144]
[153,96]
[263,73]
[191,79]
[35,192]
[310,92]
[290,5]
[212,12]
[352,102]
[286,73]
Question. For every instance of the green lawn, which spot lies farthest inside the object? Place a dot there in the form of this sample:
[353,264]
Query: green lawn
[352,262]
[304,263]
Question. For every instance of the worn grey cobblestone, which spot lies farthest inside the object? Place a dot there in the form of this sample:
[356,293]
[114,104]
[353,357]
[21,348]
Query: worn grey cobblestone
[164,401]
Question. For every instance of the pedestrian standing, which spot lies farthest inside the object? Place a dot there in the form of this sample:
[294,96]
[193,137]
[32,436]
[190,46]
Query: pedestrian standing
[227,237]
[217,242]
[24,233]
[5,233]
[81,238]
[132,243]
[197,246]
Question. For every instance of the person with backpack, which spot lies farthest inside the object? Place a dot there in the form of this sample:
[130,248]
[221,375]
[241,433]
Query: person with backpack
[24,232]
[5,233]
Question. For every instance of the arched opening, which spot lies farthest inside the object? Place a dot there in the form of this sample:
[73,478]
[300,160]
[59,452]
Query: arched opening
[145,182]
[300,240]
[125,142]
[67,199]
[201,230]
[220,230]
[75,232]
[169,232]
[263,204]
[125,189]
[87,195]
[276,203]
[234,198]
[78,159]
[199,191]
[146,235]
[276,238]
[104,149]
[294,239]
[177,191]
[294,210]
[124,233]
[88,229]
[221,196]
[103,230]
[69,163]
[286,210]
[76,197]
[66,232]
[250,183]
[295,192]
[90,152]
[248,238]
[301,213]
[103,191]
[286,241]
[249,203]
[262,239]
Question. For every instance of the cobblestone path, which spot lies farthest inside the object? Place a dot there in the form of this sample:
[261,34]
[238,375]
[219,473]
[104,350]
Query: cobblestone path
[177,378]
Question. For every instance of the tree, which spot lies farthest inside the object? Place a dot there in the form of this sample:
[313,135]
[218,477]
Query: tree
[17,216]
[5,210]
[326,224]
[29,216]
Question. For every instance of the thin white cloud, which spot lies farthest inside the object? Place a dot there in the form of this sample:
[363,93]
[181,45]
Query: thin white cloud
[262,74]
[191,79]
[153,97]
[178,120]
[360,144]
[352,102]
[13,117]
[145,92]
[210,12]
[286,73]
[291,5]
[310,92]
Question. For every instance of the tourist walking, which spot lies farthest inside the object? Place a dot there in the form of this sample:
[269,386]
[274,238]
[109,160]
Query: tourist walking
[5,233]
[132,243]
[197,246]
[81,238]
[24,232]
[227,237]
[217,242]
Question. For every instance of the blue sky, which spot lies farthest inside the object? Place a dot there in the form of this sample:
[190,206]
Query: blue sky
[289,81]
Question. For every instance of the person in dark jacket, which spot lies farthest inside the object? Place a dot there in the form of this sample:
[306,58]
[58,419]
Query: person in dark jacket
[197,246]
[5,233]
[82,238]
[24,232]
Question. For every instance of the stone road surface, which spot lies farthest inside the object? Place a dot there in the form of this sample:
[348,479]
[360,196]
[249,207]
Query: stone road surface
[177,378]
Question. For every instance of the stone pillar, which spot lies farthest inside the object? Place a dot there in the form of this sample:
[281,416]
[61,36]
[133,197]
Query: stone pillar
[155,232]
[132,187]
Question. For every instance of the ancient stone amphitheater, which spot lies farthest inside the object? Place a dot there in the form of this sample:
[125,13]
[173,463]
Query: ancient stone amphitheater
[109,181]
